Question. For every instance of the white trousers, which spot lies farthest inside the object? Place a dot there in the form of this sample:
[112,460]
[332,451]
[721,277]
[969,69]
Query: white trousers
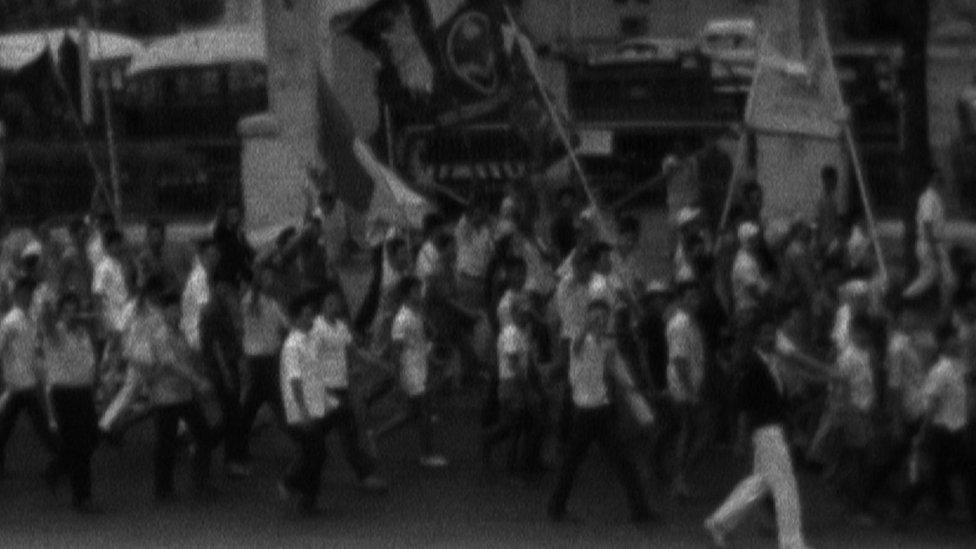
[772,473]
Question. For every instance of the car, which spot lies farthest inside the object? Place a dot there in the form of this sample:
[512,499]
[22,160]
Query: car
[645,49]
[731,45]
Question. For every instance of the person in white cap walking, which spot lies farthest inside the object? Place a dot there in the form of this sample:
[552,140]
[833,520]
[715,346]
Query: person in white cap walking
[930,250]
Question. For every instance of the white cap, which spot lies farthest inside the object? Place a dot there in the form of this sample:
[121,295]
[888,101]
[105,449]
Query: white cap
[32,249]
[748,231]
[855,288]
[687,215]
[657,286]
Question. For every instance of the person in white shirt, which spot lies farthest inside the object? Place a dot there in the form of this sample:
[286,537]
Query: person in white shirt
[515,277]
[335,347]
[411,348]
[110,286]
[685,376]
[943,437]
[265,326]
[593,418]
[856,375]
[571,300]
[69,364]
[749,284]
[22,374]
[520,413]
[934,267]
[196,293]
[306,402]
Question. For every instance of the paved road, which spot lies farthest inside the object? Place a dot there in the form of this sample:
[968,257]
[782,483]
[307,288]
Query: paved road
[457,507]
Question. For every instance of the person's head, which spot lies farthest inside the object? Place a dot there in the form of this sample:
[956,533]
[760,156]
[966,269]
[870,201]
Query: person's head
[478,210]
[152,289]
[766,336]
[284,237]
[265,277]
[749,236]
[906,313]
[752,195]
[688,296]
[233,217]
[521,312]
[858,295]
[78,231]
[566,200]
[226,290]
[155,234]
[432,223]
[398,254]
[629,234]
[657,294]
[23,292]
[601,257]
[209,254]
[446,248]
[828,179]
[801,232]
[516,273]
[331,303]
[301,311]
[114,241]
[597,315]
[583,266]
[104,222]
[936,179]
[68,308]
[169,304]
[947,338]
[409,291]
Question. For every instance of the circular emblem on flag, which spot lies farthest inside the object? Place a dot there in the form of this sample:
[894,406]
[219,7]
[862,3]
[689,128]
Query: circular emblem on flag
[471,53]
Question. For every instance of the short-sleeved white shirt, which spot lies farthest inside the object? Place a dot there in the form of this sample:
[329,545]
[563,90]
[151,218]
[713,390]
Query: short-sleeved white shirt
[331,346]
[18,350]
[746,277]
[504,310]
[572,298]
[906,372]
[512,341]
[299,362]
[854,365]
[196,295]
[408,330]
[109,284]
[685,341]
[69,359]
[588,371]
[474,247]
[931,210]
[264,323]
[945,389]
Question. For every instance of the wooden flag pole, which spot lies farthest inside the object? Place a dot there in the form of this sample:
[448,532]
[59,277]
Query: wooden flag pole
[737,166]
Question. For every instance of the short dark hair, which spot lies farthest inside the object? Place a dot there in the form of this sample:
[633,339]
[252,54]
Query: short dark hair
[629,225]
[598,304]
[76,225]
[298,303]
[113,236]
[25,284]
[170,299]
[205,244]
[407,285]
[155,223]
[594,252]
[394,245]
[67,298]
[828,174]
[443,240]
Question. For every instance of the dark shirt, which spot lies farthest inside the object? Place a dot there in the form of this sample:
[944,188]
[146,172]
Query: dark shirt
[758,395]
[563,234]
[236,255]
[653,330]
[219,331]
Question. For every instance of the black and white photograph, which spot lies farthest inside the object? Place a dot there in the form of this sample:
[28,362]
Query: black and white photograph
[488,273]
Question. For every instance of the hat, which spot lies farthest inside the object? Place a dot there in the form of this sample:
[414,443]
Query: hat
[687,215]
[748,231]
[32,249]
[657,286]
[855,288]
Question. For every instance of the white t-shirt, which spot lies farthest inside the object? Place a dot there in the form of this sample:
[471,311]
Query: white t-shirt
[945,390]
[572,299]
[474,247]
[930,210]
[854,365]
[539,275]
[263,326]
[408,330]
[746,279]
[512,341]
[69,359]
[588,371]
[196,295]
[299,362]
[840,335]
[18,350]
[109,284]
[331,347]
[906,372]
[504,310]
[685,341]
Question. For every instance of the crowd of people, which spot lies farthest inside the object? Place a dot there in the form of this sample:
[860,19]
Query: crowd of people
[546,318]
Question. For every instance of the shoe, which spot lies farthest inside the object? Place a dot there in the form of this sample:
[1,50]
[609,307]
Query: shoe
[238,470]
[434,461]
[716,533]
[375,484]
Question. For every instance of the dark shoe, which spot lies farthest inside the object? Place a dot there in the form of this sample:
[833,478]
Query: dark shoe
[309,507]
[87,508]
[164,495]
[52,477]
[644,516]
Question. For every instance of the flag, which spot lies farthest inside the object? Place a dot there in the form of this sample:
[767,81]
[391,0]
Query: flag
[795,96]
[359,179]
[388,28]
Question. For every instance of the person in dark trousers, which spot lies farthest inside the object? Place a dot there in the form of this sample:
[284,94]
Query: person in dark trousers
[334,346]
[69,358]
[221,350]
[593,417]
[175,390]
[264,326]
[306,403]
[22,374]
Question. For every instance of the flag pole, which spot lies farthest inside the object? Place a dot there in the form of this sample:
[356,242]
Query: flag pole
[737,166]
[852,149]
[113,159]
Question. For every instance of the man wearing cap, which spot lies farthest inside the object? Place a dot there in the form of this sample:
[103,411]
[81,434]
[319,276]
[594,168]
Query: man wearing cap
[749,283]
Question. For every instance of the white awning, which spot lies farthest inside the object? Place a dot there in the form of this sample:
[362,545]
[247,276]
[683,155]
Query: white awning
[21,49]
[202,48]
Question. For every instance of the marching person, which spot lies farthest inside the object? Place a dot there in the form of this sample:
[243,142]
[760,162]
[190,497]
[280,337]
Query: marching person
[335,347]
[265,326]
[306,402]
[934,269]
[761,396]
[69,359]
[22,374]
[593,418]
